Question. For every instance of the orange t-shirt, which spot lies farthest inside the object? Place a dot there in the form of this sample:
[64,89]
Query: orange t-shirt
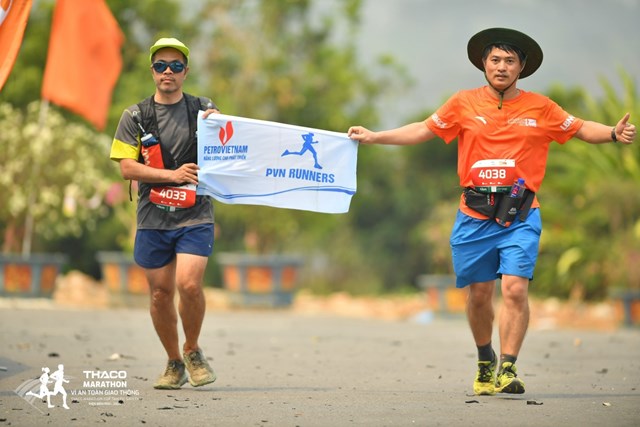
[496,147]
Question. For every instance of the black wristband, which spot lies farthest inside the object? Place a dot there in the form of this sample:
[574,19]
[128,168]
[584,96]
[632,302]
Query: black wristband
[614,138]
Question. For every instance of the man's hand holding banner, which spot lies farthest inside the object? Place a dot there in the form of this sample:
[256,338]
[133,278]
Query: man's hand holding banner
[255,162]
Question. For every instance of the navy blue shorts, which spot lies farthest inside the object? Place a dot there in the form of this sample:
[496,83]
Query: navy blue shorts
[483,250]
[157,248]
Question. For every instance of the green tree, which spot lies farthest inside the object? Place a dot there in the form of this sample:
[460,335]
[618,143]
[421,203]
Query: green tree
[280,60]
[142,22]
[277,61]
[591,207]
[53,176]
[79,234]
[289,61]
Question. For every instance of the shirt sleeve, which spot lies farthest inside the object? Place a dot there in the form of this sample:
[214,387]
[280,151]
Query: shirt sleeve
[126,142]
[562,126]
[444,121]
[208,103]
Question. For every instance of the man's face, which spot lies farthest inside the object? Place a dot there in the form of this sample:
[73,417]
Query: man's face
[502,67]
[168,81]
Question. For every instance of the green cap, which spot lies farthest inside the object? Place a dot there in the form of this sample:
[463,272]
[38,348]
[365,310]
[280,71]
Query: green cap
[169,42]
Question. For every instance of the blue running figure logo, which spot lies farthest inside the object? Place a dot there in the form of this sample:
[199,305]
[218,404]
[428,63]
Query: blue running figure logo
[306,146]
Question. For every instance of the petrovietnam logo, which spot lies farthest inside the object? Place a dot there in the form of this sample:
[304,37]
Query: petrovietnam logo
[5,7]
[222,152]
[226,133]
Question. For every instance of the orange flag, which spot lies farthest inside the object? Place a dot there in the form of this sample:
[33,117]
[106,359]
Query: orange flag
[84,59]
[13,20]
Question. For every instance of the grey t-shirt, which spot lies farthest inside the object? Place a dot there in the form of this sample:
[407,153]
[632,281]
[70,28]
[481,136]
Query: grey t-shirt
[173,128]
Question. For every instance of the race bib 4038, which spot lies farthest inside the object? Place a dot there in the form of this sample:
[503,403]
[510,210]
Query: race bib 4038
[493,175]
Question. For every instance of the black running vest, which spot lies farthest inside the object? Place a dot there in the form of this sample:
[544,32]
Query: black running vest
[150,125]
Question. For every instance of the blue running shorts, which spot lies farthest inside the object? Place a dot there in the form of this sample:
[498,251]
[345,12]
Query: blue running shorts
[483,250]
[156,248]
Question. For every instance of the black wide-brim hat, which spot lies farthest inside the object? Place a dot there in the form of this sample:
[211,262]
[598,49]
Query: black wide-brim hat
[490,36]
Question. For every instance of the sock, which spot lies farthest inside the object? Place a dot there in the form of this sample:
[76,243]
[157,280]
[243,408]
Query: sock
[485,352]
[507,358]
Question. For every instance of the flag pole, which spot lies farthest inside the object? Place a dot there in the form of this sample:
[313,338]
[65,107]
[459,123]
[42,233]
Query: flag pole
[35,170]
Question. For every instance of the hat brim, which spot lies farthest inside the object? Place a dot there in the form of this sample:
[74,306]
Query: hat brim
[526,44]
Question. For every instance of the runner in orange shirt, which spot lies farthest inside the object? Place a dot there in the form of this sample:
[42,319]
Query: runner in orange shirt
[503,135]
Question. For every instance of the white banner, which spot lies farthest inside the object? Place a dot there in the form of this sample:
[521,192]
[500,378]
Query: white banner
[256,162]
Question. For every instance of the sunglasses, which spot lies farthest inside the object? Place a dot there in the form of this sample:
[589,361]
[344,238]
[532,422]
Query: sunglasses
[161,66]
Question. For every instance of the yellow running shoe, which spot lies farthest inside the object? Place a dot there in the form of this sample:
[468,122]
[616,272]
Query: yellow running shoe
[200,373]
[174,376]
[484,382]
[508,381]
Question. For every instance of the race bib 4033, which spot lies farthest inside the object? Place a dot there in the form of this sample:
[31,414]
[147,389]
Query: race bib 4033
[493,175]
[173,198]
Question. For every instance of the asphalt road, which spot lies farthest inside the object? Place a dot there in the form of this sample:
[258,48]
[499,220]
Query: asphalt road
[277,368]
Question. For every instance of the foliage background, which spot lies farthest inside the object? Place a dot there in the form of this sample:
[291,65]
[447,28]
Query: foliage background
[288,68]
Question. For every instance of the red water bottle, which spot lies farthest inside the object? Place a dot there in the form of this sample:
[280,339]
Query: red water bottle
[151,152]
[150,146]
